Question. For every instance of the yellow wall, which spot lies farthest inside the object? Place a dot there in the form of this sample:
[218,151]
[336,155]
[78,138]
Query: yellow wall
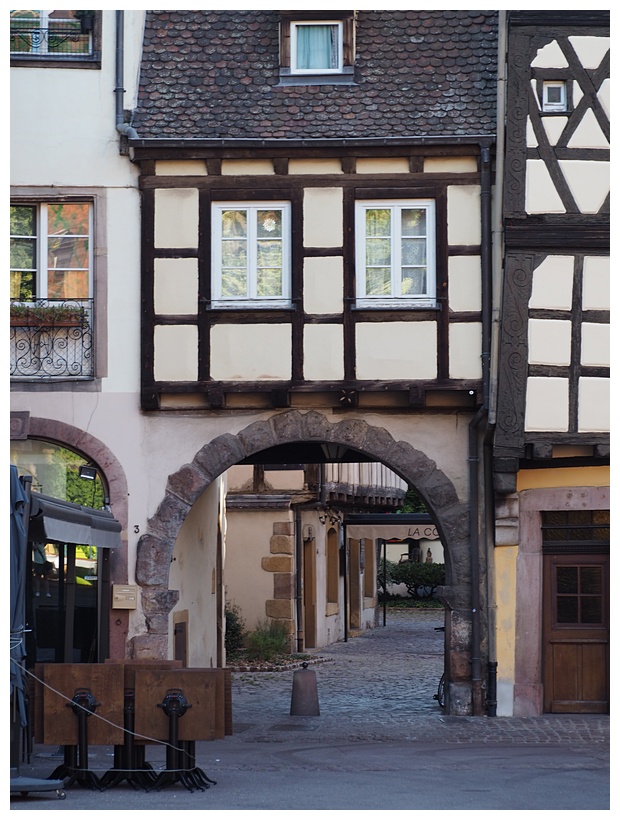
[506,603]
[563,477]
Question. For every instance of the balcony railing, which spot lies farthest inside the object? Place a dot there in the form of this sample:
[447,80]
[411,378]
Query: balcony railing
[52,338]
[64,39]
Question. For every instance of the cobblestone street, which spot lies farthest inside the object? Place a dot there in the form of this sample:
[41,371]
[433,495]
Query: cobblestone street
[370,684]
[380,741]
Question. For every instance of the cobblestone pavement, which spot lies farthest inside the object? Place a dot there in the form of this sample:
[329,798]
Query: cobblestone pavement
[379,686]
[378,724]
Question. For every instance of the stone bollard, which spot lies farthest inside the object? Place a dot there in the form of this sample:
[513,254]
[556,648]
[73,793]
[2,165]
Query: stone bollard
[305,698]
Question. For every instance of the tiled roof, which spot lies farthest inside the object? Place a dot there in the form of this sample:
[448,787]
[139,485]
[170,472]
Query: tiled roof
[215,74]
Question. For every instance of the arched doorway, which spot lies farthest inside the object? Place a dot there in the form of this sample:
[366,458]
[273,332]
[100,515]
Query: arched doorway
[451,517]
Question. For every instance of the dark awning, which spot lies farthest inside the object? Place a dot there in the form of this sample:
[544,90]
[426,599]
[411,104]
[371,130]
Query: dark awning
[54,520]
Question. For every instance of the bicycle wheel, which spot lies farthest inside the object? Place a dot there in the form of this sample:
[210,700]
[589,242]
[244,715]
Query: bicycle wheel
[440,696]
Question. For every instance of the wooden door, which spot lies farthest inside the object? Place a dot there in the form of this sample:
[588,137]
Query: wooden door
[576,633]
[309,596]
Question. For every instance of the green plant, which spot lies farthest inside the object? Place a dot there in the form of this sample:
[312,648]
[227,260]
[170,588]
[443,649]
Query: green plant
[235,629]
[421,580]
[47,314]
[267,641]
[385,575]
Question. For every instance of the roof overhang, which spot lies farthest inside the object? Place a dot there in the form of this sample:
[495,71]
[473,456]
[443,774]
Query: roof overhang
[52,519]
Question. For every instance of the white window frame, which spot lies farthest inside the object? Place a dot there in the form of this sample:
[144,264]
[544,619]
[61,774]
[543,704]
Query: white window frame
[396,299]
[554,106]
[295,25]
[41,238]
[252,299]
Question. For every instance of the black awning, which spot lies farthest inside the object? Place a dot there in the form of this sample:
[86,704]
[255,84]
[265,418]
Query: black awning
[54,520]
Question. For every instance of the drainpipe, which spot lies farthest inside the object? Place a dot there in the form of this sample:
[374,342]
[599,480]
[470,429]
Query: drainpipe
[497,289]
[480,417]
[121,126]
[299,557]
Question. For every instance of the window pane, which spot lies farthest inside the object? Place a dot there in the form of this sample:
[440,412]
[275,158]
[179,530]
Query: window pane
[234,253]
[378,252]
[413,222]
[67,252]
[413,252]
[23,220]
[591,581]
[68,219]
[269,254]
[600,516]
[591,610]
[234,223]
[567,579]
[22,286]
[67,284]
[269,224]
[568,610]
[234,282]
[23,253]
[378,281]
[579,517]
[413,282]
[269,282]
[317,47]
[378,222]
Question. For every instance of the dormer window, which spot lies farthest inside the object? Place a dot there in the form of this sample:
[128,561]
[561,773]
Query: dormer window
[554,95]
[317,48]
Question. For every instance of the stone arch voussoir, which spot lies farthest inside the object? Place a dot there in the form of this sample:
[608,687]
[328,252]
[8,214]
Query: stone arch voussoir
[183,487]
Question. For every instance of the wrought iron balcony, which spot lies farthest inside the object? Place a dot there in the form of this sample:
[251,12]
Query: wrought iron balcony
[62,39]
[52,338]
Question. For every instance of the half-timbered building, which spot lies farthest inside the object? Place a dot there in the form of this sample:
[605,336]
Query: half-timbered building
[551,446]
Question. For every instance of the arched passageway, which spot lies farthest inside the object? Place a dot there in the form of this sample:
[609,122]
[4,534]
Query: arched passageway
[185,486]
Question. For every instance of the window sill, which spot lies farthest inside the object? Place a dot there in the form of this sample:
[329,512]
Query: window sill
[346,77]
[252,305]
[54,61]
[429,304]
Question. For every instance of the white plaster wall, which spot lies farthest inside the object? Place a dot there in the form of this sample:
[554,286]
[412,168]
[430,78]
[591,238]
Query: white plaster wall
[314,166]
[450,165]
[594,405]
[251,352]
[540,193]
[323,284]
[176,286]
[323,352]
[596,283]
[549,341]
[464,283]
[233,167]
[193,574]
[588,183]
[595,345]
[546,404]
[176,218]
[464,215]
[465,347]
[552,283]
[176,353]
[63,121]
[382,165]
[590,50]
[175,168]
[396,350]
[323,217]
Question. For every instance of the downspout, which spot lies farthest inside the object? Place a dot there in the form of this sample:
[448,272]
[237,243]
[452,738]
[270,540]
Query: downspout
[497,289]
[299,605]
[121,126]
[481,415]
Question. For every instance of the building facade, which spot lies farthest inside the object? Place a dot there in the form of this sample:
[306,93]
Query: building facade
[291,254]
[551,445]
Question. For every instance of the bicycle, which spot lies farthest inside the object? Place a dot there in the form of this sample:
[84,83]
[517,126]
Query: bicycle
[440,694]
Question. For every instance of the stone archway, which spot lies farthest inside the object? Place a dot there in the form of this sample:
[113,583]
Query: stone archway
[451,516]
[93,449]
